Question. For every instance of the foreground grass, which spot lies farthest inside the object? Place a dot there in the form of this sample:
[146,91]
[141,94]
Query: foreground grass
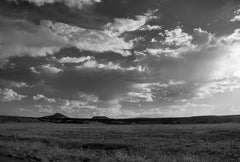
[120,143]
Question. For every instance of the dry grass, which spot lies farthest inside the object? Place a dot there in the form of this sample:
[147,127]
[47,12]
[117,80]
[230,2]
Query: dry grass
[120,143]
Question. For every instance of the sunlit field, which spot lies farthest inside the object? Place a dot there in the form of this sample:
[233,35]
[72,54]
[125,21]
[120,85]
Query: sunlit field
[120,143]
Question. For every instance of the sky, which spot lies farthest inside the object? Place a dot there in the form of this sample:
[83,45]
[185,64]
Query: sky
[120,58]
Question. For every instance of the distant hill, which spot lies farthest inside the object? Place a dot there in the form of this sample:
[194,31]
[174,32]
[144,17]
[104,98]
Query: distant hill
[55,116]
[60,118]
[100,117]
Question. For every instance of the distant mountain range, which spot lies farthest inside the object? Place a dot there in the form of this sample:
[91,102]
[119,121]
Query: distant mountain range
[60,118]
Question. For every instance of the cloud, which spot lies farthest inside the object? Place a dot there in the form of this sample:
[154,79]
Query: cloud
[122,25]
[89,98]
[110,66]
[177,37]
[218,86]
[185,55]
[178,42]
[44,109]
[111,108]
[141,92]
[50,69]
[149,92]
[8,95]
[74,106]
[236,16]
[109,58]
[20,37]
[104,83]
[99,41]
[201,37]
[70,3]
[94,64]
[40,96]
[153,40]
[140,96]
[85,101]
[12,84]
[207,63]
[187,105]
[232,39]
[74,59]
[150,28]
[90,39]
[191,109]
[33,69]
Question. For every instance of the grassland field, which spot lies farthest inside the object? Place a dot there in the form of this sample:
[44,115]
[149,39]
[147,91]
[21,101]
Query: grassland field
[50,142]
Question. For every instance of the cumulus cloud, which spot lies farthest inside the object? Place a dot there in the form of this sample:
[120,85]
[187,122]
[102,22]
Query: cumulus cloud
[178,42]
[74,106]
[121,25]
[74,59]
[236,16]
[45,69]
[142,92]
[177,37]
[203,58]
[70,3]
[19,84]
[40,96]
[50,69]
[12,84]
[89,98]
[153,40]
[185,61]
[232,39]
[34,70]
[95,64]
[150,28]
[85,101]
[200,37]
[110,66]
[8,95]
[140,96]
[218,86]
[20,37]
[149,92]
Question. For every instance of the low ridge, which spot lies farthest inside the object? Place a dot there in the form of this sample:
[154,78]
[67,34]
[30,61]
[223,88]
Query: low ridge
[100,117]
[56,116]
